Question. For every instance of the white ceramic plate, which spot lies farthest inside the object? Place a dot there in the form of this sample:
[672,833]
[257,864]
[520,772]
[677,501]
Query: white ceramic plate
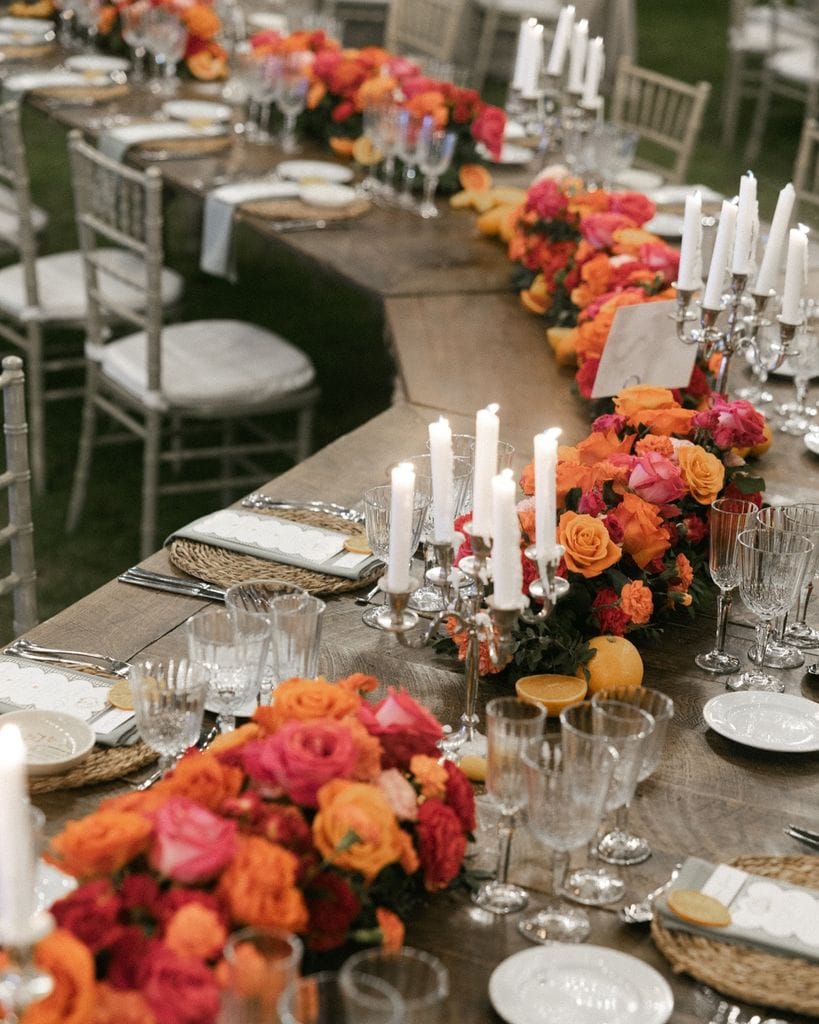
[512,155]
[579,985]
[766,721]
[309,171]
[8,38]
[327,193]
[812,443]
[638,180]
[666,225]
[54,741]
[93,64]
[26,26]
[197,110]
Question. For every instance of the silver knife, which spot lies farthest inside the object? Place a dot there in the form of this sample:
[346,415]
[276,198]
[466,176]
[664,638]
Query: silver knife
[803,835]
[257,500]
[172,584]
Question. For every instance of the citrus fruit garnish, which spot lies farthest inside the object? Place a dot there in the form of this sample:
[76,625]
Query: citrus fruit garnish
[615,662]
[365,152]
[341,147]
[552,692]
[697,908]
[475,177]
[474,767]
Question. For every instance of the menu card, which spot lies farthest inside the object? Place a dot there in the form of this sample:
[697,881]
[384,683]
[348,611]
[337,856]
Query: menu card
[280,540]
[772,915]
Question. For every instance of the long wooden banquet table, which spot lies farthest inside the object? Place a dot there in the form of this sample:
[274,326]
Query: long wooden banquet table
[460,339]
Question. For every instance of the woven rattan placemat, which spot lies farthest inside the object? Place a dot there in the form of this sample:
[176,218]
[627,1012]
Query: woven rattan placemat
[217,565]
[83,94]
[12,52]
[186,147]
[101,765]
[295,209]
[743,972]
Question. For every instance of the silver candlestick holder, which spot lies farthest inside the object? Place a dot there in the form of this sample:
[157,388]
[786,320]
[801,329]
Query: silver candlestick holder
[21,981]
[740,330]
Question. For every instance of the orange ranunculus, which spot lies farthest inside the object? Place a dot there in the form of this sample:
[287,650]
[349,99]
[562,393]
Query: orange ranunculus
[685,574]
[259,886]
[209,64]
[347,807]
[205,779]
[201,21]
[236,738]
[595,275]
[195,930]
[315,94]
[392,929]
[702,473]
[637,602]
[120,1006]
[429,774]
[368,765]
[409,859]
[306,699]
[588,548]
[378,89]
[667,421]
[655,443]
[600,444]
[359,682]
[584,203]
[101,843]
[429,103]
[144,803]
[643,535]
[527,480]
[568,453]
[570,475]
[106,19]
[71,965]
[608,472]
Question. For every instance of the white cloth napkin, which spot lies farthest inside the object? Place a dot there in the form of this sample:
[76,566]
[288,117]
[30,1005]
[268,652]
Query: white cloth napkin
[17,85]
[668,195]
[116,142]
[217,227]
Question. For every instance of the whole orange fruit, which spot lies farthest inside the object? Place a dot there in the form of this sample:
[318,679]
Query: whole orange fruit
[615,661]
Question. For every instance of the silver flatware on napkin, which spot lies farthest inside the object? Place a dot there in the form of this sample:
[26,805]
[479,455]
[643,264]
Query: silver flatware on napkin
[265,501]
[803,835]
[23,648]
[172,584]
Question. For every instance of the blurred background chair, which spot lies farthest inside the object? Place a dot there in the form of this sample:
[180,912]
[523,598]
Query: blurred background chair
[427,29]
[15,480]
[806,173]
[41,293]
[190,392]
[500,21]
[666,113]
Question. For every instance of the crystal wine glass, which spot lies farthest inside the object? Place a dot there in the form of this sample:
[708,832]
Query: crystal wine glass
[513,731]
[434,157]
[772,565]
[804,518]
[291,96]
[565,801]
[131,18]
[169,702]
[765,356]
[231,647]
[372,117]
[377,514]
[625,728]
[799,415]
[411,131]
[388,121]
[728,517]
[165,36]
[619,846]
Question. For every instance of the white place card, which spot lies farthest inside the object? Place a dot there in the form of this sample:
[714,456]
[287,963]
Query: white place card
[643,348]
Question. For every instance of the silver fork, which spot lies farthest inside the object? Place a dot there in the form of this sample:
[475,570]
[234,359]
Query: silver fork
[28,649]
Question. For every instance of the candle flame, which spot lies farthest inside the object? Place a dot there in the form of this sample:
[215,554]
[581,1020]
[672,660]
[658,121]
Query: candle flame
[506,474]
[493,408]
[531,22]
[443,421]
[553,433]
[804,229]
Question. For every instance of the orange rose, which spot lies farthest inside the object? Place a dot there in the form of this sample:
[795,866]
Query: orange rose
[409,855]
[101,843]
[208,64]
[259,886]
[315,94]
[526,520]
[429,775]
[144,803]
[305,699]
[368,765]
[429,103]
[570,475]
[236,738]
[655,443]
[120,1006]
[640,397]
[392,929]
[637,602]
[702,473]
[346,807]
[589,549]
[195,930]
[71,965]
[203,778]
[667,421]
[201,21]
[599,445]
[378,89]
[643,535]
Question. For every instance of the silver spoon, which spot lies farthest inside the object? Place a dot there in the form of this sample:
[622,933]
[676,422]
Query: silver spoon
[643,911]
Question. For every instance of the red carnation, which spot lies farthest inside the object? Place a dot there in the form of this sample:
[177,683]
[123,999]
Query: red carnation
[460,796]
[91,913]
[441,844]
[179,990]
[333,907]
[286,825]
[610,617]
[696,529]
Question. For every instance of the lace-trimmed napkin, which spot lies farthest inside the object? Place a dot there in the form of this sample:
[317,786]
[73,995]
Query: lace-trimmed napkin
[771,915]
[24,685]
[217,224]
[279,540]
[116,142]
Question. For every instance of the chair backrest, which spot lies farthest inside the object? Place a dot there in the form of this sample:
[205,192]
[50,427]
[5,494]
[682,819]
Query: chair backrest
[806,169]
[15,197]
[118,205]
[430,28]
[18,533]
[667,114]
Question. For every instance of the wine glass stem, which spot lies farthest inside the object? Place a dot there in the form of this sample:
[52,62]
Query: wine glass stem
[430,188]
[226,723]
[559,864]
[804,601]
[166,762]
[505,831]
[289,140]
[724,603]
[471,669]
[409,179]
[763,630]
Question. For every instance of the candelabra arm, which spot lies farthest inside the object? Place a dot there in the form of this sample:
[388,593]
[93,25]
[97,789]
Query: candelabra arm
[21,981]
[787,332]
[682,316]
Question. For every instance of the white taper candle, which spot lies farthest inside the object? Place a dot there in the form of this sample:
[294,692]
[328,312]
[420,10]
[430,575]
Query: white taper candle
[772,257]
[594,72]
[487,432]
[577,57]
[17,846]
[443,501]
[689,275]
[743,258]
[719,258]
[401,505]
[560,43]
[507,570]
[545,447]
[796,270]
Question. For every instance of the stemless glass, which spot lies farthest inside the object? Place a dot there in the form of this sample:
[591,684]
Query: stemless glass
[804,518]
[377,514]
[231,647]
[513,730]
[169,702]
[259,966]
[420,979]
[565,801]
[727,519]
[434,157]
[625,728]
[619,846]
[296,638]
[325,998]
[772,566]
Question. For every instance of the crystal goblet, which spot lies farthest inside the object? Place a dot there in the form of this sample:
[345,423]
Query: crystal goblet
[169,702]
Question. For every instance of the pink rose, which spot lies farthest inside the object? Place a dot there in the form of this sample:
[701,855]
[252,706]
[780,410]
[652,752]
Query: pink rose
[547,199]
[416,84]
[488,128]
[401,68]
[598,228]
[325,65]
[661,258]
[400,795]
[302,756]
[656,479]
[633,205]
[179,989]
[191,844]
[403,727]
[732,424]
[610,421]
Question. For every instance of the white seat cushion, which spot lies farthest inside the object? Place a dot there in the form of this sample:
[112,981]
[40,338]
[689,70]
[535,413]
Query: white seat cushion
[210,363]
[9,221]
[61,286]
[795,65]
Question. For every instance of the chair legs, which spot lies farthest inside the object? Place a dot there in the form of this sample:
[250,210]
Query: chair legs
[732,97]
[760,119]
[150,483]
[85,452]
[36,406]
[489,31]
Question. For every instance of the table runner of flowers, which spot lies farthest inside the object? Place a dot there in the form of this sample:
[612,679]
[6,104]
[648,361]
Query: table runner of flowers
[327,815]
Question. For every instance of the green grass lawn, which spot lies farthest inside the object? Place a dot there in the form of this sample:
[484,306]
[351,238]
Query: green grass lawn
[340,328]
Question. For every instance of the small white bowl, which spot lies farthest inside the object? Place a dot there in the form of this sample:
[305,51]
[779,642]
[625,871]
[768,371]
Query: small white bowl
[54,740]
[327,193]
[200,111]
[96,64]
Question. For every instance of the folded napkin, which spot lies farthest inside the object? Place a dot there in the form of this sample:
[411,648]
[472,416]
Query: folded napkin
[116,142]
[773,916]
[217,227]
[17,85]
[29,684]
[279,540]
[668,195]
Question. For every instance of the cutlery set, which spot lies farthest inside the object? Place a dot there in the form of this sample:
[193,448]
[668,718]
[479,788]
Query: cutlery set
[172,584]
[23,648]
[803,835]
